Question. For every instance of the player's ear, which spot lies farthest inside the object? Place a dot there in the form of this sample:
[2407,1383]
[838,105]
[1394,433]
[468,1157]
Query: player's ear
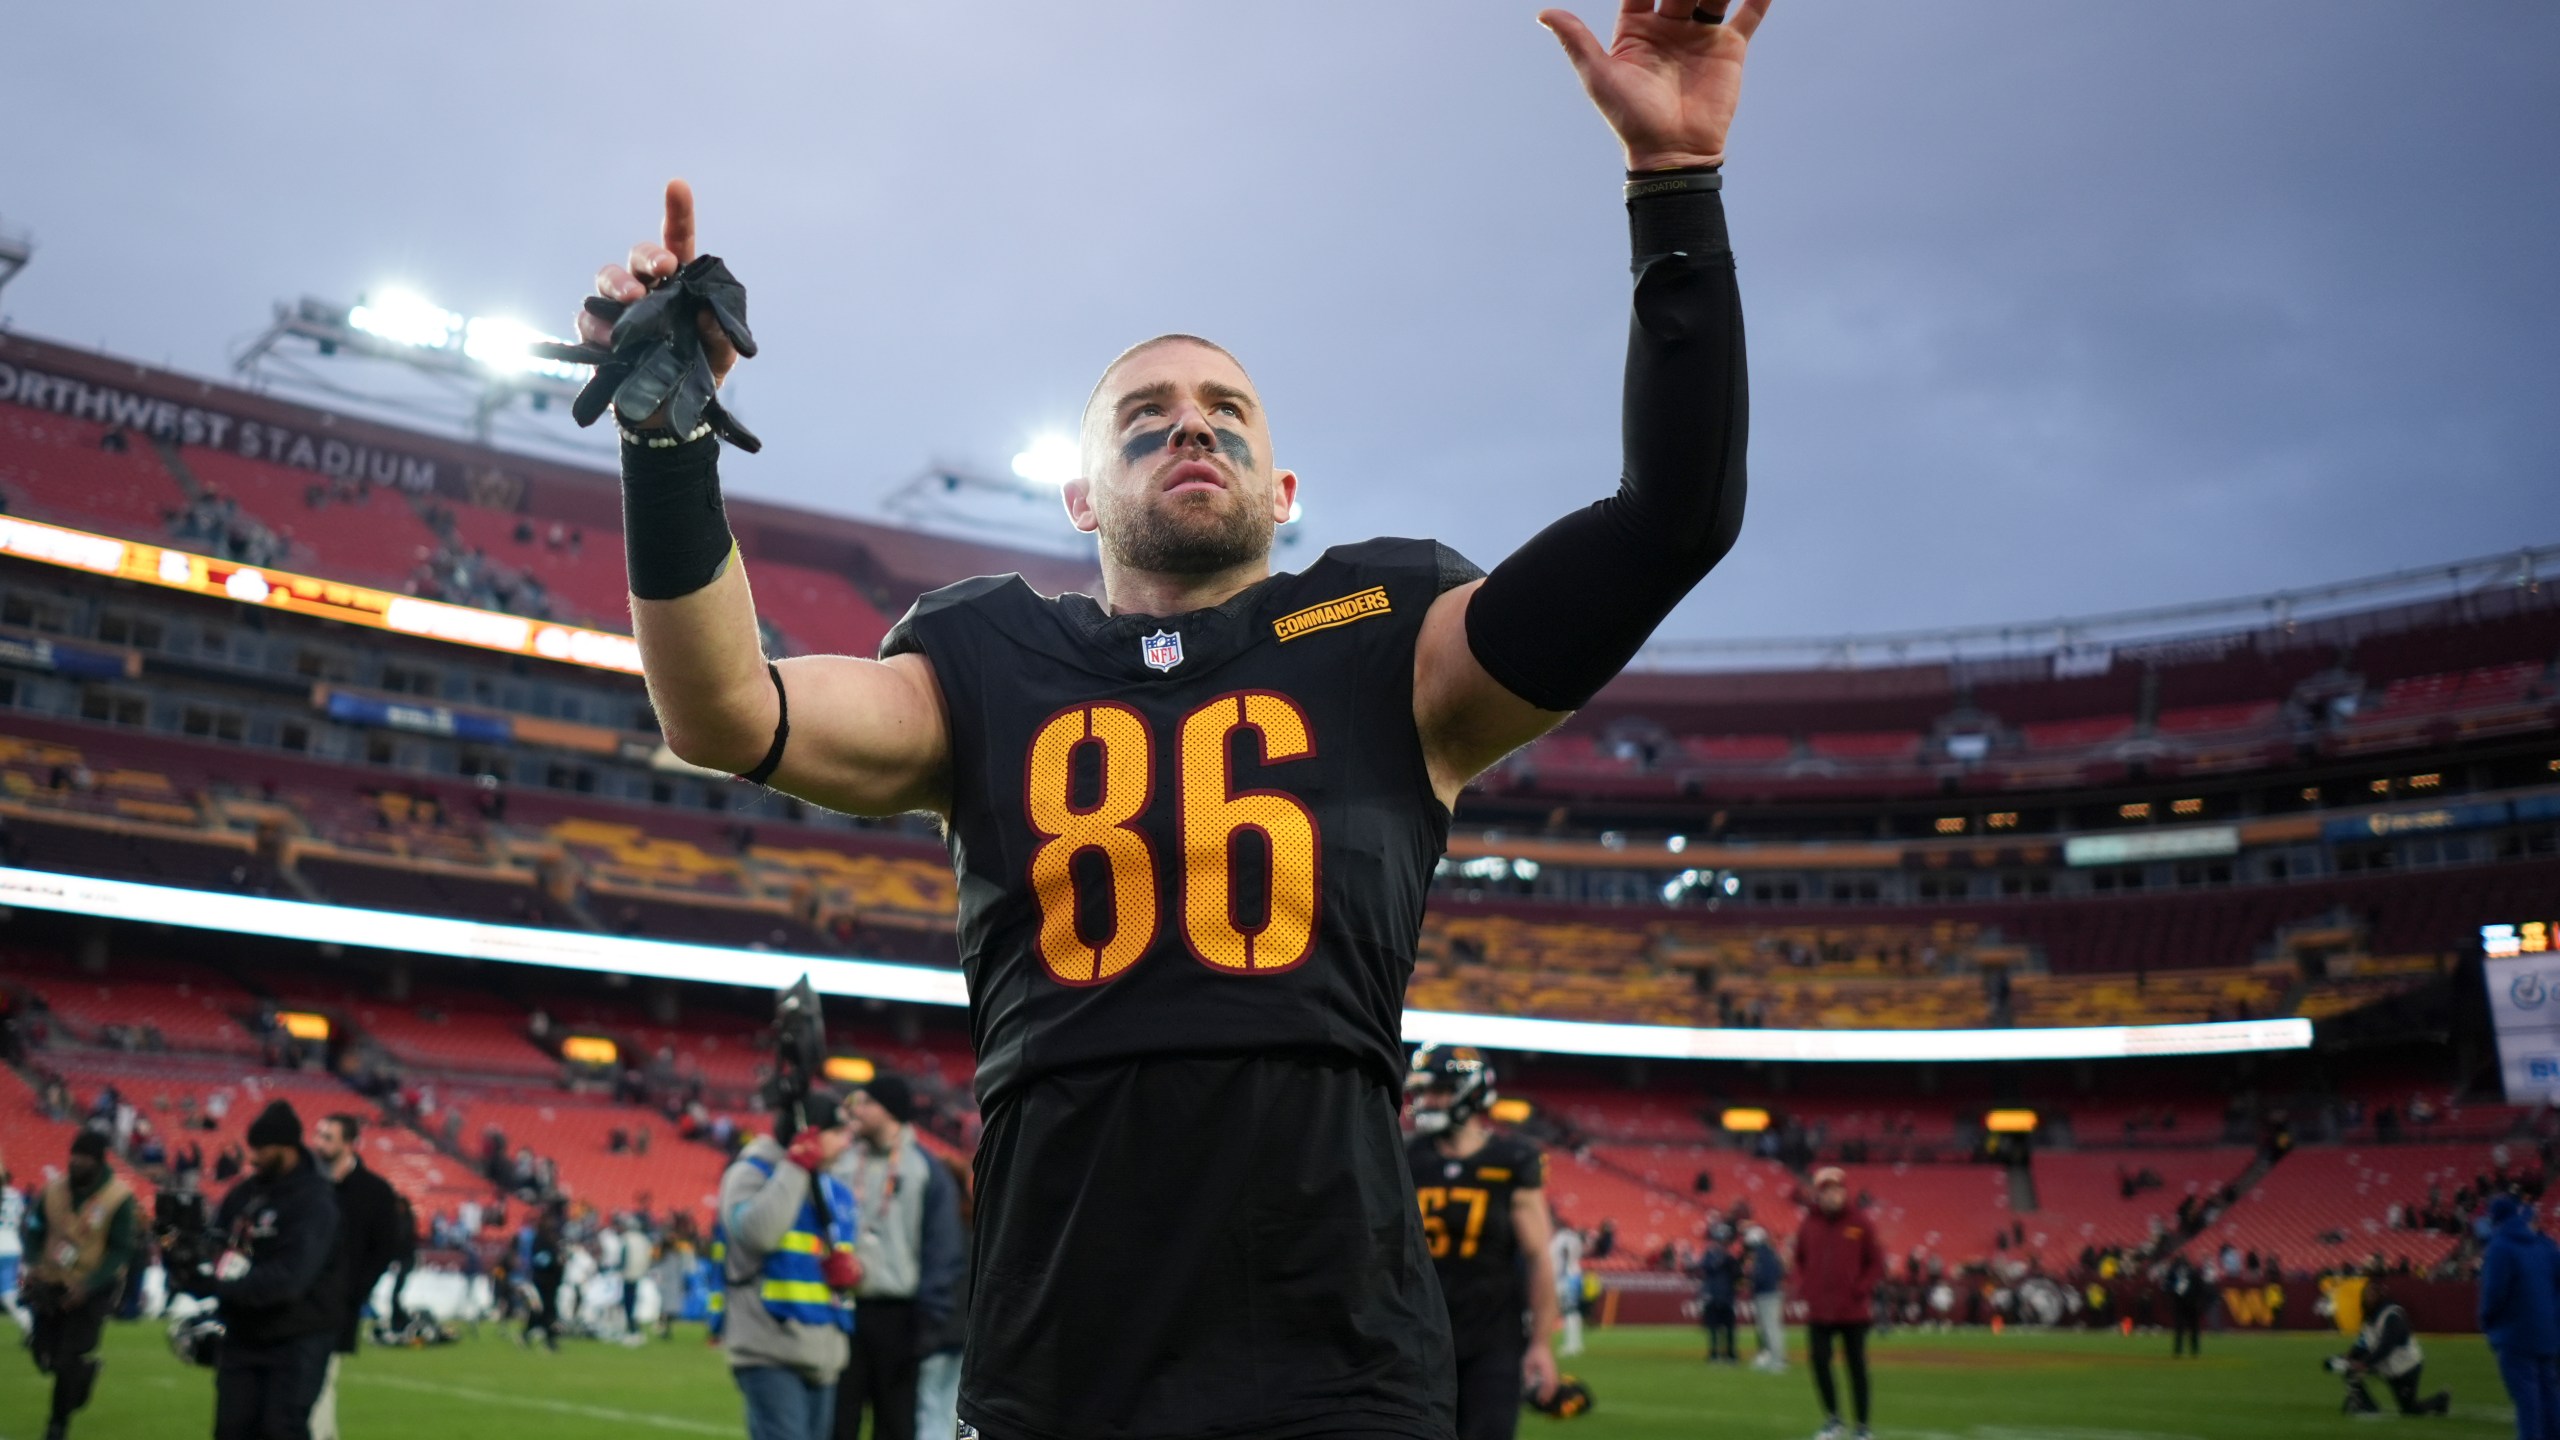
[1284,495]
[1077,496]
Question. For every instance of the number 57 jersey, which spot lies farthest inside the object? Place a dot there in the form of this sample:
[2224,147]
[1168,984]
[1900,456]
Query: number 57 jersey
[1201,833]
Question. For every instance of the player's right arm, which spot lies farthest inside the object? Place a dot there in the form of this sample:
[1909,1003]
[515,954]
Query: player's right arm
[865,736]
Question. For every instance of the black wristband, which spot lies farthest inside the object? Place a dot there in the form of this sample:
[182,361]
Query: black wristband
[1677,211]
[772,761]
[675,531]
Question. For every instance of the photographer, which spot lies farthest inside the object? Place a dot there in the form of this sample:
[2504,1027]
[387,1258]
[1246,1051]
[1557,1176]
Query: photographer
[789,1272]
[82,1233]
[2387,1347]
[277,1285]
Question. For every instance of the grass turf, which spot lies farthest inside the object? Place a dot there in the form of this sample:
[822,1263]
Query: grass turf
[1650,1383]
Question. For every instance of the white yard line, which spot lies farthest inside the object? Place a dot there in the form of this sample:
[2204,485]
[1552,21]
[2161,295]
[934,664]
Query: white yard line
[531,1402]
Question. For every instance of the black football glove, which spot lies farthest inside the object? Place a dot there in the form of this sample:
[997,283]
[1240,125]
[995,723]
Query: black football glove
[656,356]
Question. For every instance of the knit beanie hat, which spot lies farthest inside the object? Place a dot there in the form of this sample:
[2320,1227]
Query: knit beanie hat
[92,1143]
[891,1093]
[275,1125]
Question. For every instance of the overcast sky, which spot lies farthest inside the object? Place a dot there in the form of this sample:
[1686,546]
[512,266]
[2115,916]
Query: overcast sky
[2054,308]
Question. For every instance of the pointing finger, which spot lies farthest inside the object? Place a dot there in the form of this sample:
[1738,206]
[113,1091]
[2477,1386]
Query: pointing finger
[678,230]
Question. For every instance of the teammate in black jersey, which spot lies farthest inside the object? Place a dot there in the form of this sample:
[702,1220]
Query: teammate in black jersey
[1483,1199]
[1194,816]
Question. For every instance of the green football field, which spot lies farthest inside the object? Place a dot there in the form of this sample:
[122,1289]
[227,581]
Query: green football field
[1650,1383]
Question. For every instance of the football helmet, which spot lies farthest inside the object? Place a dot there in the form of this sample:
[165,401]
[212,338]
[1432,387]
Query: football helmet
[196,1337]
[1570,1398]
[1458,1071]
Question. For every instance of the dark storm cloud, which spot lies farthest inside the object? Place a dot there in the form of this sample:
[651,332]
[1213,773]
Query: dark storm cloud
[2053,308]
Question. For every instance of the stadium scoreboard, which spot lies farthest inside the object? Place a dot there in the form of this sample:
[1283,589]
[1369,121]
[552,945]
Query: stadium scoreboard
[2521,966]
[268,589]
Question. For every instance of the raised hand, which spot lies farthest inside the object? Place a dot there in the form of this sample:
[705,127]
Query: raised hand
[1670,77]
[650,264]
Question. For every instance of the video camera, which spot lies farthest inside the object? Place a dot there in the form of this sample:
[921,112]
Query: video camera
[799,1054]
[188,1242]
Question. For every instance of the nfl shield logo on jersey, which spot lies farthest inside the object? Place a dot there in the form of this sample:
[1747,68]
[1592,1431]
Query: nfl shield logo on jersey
[1162,650]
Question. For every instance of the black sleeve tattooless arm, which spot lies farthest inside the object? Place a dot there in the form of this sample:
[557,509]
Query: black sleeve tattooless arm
[1568,610]
[676,539]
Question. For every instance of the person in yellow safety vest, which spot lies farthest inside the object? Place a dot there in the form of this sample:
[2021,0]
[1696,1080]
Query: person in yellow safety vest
[787,1231]
[81,1236]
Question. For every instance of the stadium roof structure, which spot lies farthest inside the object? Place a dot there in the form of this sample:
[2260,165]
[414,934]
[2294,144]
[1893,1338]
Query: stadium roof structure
[925,985]
[2086,643]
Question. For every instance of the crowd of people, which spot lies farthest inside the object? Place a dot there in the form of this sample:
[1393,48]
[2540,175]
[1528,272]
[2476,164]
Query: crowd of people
[214,523]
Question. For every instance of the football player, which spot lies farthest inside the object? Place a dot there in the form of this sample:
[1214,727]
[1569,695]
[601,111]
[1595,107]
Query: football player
[1194,815]
[1483,1197]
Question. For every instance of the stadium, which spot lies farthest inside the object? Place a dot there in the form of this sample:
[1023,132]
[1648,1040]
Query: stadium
[2196,898]
[2141,973]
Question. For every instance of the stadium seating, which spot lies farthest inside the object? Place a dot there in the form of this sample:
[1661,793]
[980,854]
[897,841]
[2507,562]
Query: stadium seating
[2080,1199]
[573,1133]
[370,535]
[192,1007]
[821,611]
[582,572]
[2330,1205]
[59,469]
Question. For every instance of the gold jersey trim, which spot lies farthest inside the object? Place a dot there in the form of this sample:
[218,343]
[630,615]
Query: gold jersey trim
[1356,606]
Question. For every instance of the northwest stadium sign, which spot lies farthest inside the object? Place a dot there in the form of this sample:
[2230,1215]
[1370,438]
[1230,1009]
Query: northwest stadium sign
[925,985]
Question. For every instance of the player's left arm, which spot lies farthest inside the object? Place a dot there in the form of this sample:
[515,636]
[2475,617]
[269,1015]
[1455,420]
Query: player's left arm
[1529,1223]
[1504,659]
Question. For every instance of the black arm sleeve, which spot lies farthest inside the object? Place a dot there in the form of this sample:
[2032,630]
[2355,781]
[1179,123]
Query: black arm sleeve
[675,530]
[1568,610]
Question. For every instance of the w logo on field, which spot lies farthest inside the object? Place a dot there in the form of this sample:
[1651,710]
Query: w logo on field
[1162,650]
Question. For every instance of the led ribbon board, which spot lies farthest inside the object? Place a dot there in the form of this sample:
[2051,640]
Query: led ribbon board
[147,564]
[924,985]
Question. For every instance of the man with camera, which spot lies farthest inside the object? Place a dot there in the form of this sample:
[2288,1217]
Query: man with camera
[81,1235]
[790,1271]
[2388,1347]
[277,1285]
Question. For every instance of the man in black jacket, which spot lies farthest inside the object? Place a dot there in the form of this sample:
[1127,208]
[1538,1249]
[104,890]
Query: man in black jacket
[277,1284]
[368,1241]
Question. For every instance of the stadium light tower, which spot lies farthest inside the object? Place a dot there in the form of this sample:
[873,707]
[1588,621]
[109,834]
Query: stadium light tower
[15,251]
[484,362]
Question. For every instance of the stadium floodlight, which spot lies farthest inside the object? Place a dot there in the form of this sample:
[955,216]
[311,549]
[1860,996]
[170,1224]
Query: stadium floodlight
[404,318]
[1052,459]
[488,357]
[15,252]
[506,346]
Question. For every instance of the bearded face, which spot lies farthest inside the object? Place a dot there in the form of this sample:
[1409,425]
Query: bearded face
[1178,476]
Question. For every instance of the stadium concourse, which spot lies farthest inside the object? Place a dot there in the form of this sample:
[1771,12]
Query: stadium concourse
[249,648]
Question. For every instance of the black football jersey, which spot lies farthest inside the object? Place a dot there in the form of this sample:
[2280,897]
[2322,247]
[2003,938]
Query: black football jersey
[1194,833]
[1466,1221]
[1192,855]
